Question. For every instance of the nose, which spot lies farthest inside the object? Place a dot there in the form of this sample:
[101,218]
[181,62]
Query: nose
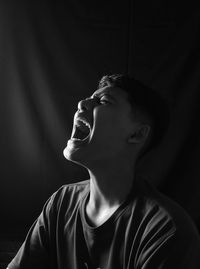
[85,104]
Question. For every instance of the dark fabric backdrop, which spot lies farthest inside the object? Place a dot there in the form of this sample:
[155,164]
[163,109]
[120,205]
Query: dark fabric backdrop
[53,53]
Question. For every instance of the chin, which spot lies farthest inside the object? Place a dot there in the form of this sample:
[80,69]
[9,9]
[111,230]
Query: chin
[66,154]
[69,153]
[73,155]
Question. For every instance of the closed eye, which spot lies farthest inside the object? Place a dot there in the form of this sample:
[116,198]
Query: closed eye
[104,100]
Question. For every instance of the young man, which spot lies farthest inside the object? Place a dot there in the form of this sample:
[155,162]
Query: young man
[115,219]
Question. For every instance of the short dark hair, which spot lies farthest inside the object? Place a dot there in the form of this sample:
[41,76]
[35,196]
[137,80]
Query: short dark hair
[146,99]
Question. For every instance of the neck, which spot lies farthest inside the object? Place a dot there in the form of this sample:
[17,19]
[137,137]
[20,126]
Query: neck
[109,187]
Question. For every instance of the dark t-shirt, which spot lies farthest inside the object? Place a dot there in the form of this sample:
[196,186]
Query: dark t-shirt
[148,231]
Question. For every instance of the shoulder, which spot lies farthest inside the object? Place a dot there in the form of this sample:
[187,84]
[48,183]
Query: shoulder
[77,188]
[169,235]
[162,210]
[68,195]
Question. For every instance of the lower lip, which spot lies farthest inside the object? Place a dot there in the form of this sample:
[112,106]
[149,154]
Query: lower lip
[76,142]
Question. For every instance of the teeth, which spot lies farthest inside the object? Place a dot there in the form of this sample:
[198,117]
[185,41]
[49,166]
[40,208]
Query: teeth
[75,139]
[81,130]
[84,122]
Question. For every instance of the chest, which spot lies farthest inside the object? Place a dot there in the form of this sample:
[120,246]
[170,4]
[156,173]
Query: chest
[108,246]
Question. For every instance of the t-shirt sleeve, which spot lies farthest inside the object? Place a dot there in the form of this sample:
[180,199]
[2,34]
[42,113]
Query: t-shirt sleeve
[172,250]
[170,254]
[170,239]
[36,250]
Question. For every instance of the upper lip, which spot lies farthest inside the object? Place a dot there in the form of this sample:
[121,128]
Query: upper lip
[84,119]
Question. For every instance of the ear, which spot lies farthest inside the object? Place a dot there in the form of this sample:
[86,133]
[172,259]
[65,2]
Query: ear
[140,135]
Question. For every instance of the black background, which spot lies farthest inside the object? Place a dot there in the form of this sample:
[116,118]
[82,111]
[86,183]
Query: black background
[53,53]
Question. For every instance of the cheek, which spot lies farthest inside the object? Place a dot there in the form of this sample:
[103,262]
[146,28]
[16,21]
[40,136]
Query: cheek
[110,125]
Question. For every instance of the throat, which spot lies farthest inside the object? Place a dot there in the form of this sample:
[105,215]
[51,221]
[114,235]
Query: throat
[97,216]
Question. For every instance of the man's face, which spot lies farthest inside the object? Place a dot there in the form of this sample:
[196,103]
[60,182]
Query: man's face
[102,126]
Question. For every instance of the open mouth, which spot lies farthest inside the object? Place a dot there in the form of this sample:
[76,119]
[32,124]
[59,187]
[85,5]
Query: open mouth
[81,130]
